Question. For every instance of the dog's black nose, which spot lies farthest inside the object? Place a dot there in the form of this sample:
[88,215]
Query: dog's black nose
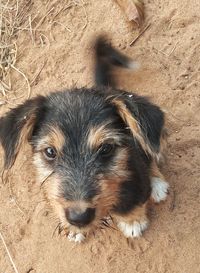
[80,218]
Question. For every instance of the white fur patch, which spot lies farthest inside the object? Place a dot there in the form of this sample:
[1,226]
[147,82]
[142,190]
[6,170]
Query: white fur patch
[133,230]
[76,237]
[159,190]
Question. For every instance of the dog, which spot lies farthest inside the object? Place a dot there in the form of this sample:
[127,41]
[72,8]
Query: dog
[96,150]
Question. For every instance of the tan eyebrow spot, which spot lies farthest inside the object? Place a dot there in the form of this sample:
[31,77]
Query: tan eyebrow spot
[98,135]
[54,138]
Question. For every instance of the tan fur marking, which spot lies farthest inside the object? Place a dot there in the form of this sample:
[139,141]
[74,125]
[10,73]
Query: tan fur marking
[134,127]
[136,214]
[25,133]
[55,138]
[155,172]
[119,167]
[98,135]
[109,196]
[126,116]
[111,185]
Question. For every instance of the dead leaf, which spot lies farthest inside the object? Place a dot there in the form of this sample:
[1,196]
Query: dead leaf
[134,10]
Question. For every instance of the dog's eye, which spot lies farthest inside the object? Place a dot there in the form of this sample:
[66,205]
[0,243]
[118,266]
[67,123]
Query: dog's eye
[106,149]
[50,153]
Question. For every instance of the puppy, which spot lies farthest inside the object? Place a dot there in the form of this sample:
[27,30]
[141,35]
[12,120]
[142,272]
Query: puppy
[96,150]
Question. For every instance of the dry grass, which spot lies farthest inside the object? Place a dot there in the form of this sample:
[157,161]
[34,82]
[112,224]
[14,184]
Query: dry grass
[8,253]
[18,16]
[13,14]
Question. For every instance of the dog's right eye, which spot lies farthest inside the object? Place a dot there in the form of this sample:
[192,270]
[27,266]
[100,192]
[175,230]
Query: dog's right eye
[50,153]
[106,149]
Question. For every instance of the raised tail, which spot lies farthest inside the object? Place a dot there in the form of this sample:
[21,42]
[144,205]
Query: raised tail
[106,57]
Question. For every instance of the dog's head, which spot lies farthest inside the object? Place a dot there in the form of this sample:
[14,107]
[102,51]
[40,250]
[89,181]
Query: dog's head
[87,145]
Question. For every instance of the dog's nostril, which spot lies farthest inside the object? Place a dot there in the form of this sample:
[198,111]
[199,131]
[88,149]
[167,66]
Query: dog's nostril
[80,218]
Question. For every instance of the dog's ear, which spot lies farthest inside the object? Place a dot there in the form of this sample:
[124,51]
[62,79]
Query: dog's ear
[144,119]
[17,126]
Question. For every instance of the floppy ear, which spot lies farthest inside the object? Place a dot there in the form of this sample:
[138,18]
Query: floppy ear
[17,126]
[145,120]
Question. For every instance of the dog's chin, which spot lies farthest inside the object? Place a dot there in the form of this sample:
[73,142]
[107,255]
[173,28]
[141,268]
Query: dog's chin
[78,234]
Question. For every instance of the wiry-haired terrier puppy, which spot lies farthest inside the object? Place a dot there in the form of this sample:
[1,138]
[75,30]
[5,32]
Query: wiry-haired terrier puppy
[96,150]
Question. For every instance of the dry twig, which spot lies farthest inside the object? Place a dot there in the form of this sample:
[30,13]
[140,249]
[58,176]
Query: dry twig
[8,253]
[140,34]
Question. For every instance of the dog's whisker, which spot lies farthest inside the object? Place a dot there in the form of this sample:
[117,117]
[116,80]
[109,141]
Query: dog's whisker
[57,228]
[46,178]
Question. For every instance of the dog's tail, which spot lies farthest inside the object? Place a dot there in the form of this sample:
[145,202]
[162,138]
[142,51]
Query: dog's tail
[106,56]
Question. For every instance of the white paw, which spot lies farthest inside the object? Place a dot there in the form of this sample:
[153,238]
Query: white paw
[133,230]
[76,237]
[159,189]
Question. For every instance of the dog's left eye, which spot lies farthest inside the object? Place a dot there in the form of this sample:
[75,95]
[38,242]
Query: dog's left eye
[106,149]
[50,153]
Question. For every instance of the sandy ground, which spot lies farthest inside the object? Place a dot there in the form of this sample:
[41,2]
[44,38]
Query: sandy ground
[169,53]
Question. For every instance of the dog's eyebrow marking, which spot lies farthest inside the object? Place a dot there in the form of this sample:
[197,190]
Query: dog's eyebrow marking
[99,134]
[55,137]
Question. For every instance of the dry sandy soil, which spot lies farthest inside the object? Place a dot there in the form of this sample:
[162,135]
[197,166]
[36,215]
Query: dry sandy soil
[169,53]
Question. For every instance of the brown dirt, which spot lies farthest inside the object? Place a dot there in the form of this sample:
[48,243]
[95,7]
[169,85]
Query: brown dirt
[169,52]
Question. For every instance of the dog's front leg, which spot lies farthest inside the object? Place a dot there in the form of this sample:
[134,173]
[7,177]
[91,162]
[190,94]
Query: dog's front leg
[134,223]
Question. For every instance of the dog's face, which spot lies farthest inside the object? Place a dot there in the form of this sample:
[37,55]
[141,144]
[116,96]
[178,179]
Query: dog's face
[84,146]
[80,151]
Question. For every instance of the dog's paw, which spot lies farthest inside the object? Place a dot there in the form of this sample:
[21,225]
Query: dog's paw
[133,230]
[159,189]
[76,237]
